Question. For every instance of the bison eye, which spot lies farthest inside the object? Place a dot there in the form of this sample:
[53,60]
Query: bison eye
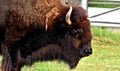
[76,32]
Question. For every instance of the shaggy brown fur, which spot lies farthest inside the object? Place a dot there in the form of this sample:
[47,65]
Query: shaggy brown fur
[22,17]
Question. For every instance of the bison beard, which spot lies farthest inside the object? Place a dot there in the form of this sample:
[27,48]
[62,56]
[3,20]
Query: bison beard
[45,46]
[31,27]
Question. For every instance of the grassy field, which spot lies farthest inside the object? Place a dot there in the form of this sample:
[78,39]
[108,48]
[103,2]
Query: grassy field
[103,4]
[105,57]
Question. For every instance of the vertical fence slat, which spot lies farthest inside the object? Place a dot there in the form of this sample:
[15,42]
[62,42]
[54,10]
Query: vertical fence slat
[84,4]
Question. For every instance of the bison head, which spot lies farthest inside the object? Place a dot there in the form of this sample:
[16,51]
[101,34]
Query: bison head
[74,29]
[68,40]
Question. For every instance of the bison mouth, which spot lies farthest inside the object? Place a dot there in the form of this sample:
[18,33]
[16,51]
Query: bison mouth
[73,59]
[73,64]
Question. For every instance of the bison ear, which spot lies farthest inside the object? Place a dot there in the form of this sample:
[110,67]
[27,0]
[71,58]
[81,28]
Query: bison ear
[68,15]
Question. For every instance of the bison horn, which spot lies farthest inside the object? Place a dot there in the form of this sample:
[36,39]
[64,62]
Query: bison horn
[68,16]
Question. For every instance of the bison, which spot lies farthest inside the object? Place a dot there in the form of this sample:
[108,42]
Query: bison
[33,30]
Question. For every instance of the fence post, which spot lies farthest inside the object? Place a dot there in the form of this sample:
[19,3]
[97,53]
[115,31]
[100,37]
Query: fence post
[84,4]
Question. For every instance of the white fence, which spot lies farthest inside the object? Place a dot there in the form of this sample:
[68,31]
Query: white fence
[103,17]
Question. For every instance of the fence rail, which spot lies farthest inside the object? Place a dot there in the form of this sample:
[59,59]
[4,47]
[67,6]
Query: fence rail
[97,20]
[105,12]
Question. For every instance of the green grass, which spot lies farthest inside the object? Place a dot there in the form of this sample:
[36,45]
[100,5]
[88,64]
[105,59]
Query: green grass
[105,57]
[102,5]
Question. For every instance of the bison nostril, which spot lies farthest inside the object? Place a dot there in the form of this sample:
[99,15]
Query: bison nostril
[88,51]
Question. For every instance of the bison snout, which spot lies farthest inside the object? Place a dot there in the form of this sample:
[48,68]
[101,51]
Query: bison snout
[88,51]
